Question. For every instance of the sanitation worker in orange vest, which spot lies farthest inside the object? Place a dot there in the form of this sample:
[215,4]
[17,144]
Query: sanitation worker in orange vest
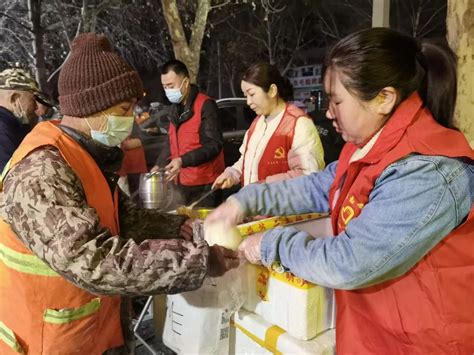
[401,196]
[70,242]
[282,141]
[195,137]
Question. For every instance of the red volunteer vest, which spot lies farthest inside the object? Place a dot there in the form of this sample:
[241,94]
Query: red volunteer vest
[430,309]
[40,311]
[185,139]
[274,159]
[134,161]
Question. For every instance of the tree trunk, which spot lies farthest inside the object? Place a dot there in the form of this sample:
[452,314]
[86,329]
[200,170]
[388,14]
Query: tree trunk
[188,53]
[34,14]
[219,76]
[231,83]
[460,25]
[210,69]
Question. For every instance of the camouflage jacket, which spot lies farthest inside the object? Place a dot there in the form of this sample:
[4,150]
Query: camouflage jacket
[44,203]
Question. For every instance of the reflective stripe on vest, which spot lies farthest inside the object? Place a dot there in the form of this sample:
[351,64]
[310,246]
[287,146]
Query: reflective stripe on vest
[8,337]
[6,169]
[28,264]
[30,298]
[69,315]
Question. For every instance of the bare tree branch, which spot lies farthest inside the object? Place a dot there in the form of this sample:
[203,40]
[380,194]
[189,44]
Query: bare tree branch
[220,5]
[267,5]
[20,42]
[154,54]
[424,32]
[16,21]
[358,10]
[248,34]
[327,29]
[297,46]
[9,51]
[51,76]
[63,24]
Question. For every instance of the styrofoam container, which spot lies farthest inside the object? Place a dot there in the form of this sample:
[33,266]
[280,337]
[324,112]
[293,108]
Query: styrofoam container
[191,329]
[251,334]
[198,322]
[301,308]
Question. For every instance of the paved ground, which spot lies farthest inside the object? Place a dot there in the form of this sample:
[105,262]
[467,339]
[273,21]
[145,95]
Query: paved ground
[147,332]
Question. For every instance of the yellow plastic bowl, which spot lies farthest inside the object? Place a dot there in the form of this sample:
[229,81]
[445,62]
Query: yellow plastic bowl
[199,212]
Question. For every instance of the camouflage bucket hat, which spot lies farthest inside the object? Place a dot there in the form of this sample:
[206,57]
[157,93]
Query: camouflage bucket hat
[44,99]
[17,79]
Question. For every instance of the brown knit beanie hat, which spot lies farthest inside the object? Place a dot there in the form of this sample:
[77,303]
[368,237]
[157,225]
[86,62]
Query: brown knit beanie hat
[94,78]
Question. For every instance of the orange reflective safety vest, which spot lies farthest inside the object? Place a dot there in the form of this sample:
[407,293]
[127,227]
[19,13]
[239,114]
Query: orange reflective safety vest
[184,139]
[274,158]
[430,309]
[40,311]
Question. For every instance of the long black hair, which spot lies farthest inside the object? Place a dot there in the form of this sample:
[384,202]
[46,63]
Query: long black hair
[372,59]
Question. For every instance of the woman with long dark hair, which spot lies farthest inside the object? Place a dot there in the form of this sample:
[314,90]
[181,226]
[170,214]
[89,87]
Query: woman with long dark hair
[401,199]
[282,141]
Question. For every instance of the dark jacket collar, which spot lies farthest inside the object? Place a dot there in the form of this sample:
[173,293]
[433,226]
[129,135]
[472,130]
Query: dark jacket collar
[12,133]
[9,122]
[8,117]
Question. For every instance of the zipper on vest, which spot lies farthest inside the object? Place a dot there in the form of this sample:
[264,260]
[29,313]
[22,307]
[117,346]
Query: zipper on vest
[177,139]
[179,118]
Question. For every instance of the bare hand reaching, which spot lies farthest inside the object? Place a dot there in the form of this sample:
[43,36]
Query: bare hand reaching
[173,169]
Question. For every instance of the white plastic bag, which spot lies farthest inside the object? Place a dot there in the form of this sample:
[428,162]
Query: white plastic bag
[198,322]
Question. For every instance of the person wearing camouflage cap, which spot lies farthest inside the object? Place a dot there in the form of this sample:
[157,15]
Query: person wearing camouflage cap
[70,241]
[17,110]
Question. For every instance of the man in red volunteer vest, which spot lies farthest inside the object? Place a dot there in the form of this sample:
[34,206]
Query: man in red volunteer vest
[401,197]
[195,137]
[70,241]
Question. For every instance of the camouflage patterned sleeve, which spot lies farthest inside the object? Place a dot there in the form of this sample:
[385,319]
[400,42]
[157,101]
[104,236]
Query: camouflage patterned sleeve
[44,203]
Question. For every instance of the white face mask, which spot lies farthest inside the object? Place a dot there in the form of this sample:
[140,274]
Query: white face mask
[175,95]
[21,115]
[118,129]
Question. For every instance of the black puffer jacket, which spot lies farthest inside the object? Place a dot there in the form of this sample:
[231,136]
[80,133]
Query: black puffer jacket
[12,133]
[210,131]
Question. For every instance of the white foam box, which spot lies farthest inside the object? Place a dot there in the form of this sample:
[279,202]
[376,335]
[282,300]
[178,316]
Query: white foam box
[191,328]
[301,308]
[251,334]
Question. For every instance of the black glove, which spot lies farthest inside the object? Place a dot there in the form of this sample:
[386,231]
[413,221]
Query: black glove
[221,260]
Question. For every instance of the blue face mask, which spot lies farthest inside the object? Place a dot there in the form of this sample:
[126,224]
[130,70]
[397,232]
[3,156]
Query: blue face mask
[118,129]
[174,95]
